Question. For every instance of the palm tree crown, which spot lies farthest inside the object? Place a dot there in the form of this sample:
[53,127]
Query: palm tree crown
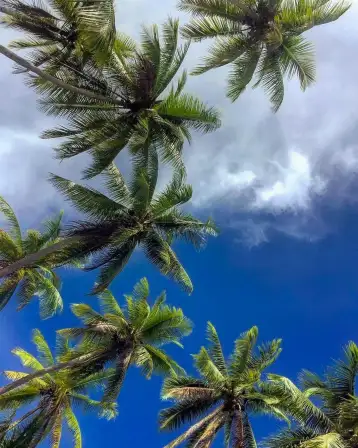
[133,216]
[51,398]
[335,422]
[132,335]
[261,38]
[141,109]
[61,32]
[225,395]
[39,279]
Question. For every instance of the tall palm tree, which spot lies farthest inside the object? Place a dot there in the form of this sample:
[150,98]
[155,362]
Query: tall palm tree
[261,38]
[140,106]
[132,216]
[61,32]
[226,394]
[133,335]
[38,279]
[120,337]
[338,409]
[51,398]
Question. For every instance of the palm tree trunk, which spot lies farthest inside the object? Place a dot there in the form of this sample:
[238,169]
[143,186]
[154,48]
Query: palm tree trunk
[56,81]
[239,434]
[34,258]
[122,365]
[24,417]
[81,361]
[194,428]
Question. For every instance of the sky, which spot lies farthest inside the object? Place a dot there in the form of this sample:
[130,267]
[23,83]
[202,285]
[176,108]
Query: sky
[282,188]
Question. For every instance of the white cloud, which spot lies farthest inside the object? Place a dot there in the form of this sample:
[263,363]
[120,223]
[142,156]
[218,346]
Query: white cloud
[295,188]
[258,162]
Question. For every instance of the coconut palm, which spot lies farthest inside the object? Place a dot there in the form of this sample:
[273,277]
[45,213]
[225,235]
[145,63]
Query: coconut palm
[131,216]
[50,399]
[261,39]
[226,394]
[120,337]
[38,279]
[133,335]
[335,422]
[61,32]
[139,106]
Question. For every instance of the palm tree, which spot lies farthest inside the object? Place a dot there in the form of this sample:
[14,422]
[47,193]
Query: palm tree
[121,337]
[61,32]
[38,279]
[133,216]
[261,38]
[136,104]
[334,424]
[225,395]
[51,398]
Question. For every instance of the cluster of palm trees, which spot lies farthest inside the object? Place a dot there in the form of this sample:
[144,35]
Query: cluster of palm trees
[116,94]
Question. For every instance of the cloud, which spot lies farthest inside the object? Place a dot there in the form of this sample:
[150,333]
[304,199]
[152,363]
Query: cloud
[261,172]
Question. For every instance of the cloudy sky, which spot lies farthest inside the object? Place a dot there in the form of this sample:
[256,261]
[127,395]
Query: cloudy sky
[266,170]
[283,189]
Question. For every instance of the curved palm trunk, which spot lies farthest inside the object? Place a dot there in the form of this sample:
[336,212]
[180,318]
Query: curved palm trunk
[238,430]
[24,417]
[122,365]
[191,431]
[34,258]
[81,361]
[56,81]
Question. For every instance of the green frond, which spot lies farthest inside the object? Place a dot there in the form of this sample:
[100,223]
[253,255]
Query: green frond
[242,356]
[298,59]
[213,8]
[86,199]
[115,265]
[12,222]
[86,314]
[205,27]
[27,360]
[50,299]
[138,310]
[74,427]
[43,348]
[191,111]
[117,187]
[162,363]
[52,229]
[7,289]
[267,354]
[109,304]
[141,290]
[184,387]
[224,51]
[215,349]
[269,75]
[242,71]
[165,325]
[161,255]
[296,404]
[207,368]
[104,410]
[9,249]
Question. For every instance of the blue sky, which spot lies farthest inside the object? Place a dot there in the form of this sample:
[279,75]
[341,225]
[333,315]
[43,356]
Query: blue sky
[302,292]
[281,187]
